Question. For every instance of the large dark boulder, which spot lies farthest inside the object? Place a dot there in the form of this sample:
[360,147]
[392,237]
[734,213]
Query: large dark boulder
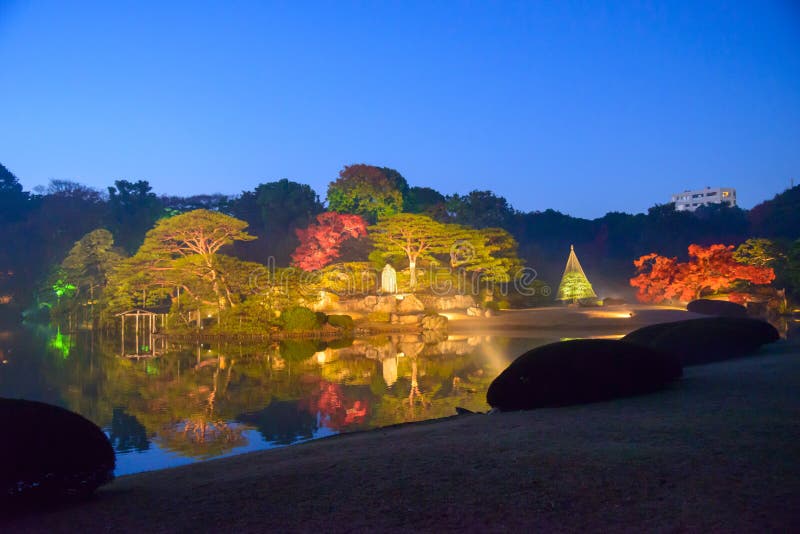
[711,339]
[719,308]
[49,453]
[580,371]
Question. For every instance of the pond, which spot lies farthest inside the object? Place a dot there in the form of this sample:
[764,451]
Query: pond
[192,402]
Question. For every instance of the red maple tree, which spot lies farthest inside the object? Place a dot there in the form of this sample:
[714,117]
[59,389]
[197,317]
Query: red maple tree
[709,270]
[320,242]
[335,407]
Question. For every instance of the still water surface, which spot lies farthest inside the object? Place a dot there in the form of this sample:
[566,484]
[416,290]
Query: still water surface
[195,402]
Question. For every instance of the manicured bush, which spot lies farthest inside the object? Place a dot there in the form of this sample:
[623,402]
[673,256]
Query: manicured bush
[711,339]
[345,322]
[49,453]
[300,319]
[720,308]
[611,301]
[580,371]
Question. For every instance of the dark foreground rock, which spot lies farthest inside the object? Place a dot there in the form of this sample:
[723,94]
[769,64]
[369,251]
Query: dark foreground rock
[580,371]
[49,453]
[719,308]
[706,340]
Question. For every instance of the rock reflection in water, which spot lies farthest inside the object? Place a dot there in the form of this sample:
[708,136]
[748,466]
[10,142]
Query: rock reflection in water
[198,402]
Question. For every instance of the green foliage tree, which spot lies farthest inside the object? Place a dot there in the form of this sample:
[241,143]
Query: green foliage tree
[480,209]
[759,252]
[181,254]
[417,237]
[133,208]
[274,211]
[424,200]
[367,191]
[778,217]
[791,273]
[13,200]
[490,253]
[89,262]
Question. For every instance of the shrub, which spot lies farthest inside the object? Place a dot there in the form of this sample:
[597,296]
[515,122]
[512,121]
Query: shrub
[345,322]
[47,452]
[580,371]
[698,341]
[720,308]
[300,319]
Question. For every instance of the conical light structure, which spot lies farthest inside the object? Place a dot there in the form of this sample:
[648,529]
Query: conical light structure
[574,284]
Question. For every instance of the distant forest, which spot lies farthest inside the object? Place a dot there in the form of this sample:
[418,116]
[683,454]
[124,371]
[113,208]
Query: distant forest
[39,228]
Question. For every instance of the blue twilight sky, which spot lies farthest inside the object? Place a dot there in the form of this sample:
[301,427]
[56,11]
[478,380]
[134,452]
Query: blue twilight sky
[585,107]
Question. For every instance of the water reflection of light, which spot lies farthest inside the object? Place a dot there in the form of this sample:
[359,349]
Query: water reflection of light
[607,336]
[389,369]
[498,359]
[623,314]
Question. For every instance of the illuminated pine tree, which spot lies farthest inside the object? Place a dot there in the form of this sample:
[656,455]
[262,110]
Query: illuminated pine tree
[574,284]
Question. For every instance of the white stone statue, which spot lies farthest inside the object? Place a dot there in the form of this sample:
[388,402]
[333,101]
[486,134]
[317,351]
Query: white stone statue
[389,279]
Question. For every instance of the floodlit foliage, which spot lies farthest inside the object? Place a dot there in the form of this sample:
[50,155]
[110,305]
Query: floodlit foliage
[575,286]
[489,252]
[365,190]
[180,254]
[320,242]
[709,270]
[759,252]
[90,260]
[88,265]
[416,237]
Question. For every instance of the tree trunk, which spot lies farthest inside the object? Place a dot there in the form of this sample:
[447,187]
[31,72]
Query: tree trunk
[412,267]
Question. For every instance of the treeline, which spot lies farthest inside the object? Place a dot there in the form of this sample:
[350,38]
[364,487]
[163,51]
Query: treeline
[39,228]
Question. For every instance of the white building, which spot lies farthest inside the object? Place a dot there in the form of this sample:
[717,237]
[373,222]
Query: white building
[691,200]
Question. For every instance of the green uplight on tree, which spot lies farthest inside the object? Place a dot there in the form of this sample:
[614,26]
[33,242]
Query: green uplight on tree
[61,288]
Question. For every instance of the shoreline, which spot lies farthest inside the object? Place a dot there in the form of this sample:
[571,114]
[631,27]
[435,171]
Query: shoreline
[716,451]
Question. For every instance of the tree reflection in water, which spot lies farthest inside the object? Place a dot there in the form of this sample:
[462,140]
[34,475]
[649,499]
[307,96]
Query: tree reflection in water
[200,402]
[203,434]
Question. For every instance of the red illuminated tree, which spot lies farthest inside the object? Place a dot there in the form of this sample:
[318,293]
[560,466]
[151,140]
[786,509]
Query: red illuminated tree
[709,270]
[320,242]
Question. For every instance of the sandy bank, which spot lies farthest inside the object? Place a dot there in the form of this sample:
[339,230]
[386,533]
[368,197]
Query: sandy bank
[720,450]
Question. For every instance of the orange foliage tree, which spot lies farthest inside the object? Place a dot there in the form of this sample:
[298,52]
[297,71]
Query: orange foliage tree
[709,270]
[319,243]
